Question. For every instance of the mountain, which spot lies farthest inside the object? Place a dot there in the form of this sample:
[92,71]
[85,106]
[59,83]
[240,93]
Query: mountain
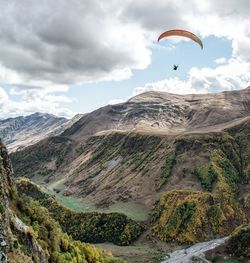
[181,159]
[165,113]
[29,234]
[18,133]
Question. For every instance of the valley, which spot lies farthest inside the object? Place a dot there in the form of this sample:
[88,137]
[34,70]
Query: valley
[168,171]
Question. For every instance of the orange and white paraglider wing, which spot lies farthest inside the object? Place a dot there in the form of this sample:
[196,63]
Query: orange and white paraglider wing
[181,33]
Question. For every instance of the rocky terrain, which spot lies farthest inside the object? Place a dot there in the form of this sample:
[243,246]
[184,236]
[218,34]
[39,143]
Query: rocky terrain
[17,133]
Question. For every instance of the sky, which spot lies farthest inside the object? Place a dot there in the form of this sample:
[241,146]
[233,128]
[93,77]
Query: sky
[72,56]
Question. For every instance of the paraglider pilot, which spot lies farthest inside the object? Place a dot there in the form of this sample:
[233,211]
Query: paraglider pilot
[175,67]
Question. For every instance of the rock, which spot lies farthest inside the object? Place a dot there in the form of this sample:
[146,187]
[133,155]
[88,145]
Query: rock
[3,258]
[3,244]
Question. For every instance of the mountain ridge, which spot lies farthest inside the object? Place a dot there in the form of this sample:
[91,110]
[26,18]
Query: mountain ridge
[160,112]
[19,132]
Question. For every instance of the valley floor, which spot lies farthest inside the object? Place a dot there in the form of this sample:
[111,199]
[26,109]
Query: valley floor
[138,253]
[143,250]
[133,210]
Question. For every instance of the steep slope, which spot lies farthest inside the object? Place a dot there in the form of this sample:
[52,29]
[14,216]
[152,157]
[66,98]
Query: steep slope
[29,234]
[18,133]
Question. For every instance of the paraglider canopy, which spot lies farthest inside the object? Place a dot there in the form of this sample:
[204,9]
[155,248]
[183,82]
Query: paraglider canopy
[181,33]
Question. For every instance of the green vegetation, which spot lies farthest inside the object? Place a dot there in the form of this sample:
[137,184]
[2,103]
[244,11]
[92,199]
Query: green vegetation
[157,211]
[190,217]
[91,227]
[58,246]
[1,208]
[227,175]
[207,176]
[130,209]
[32,235]
[219,162]
[239,242]
[135,149]
[236,249]
[67,201]
[185,212]
[241,134]
[137,253]
[52,149]
[247,202]
[166,169]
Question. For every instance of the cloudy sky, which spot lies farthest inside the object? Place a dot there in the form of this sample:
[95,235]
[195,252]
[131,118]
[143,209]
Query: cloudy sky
[70,56]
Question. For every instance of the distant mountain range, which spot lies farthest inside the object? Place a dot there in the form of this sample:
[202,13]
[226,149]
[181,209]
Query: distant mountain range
[22,131]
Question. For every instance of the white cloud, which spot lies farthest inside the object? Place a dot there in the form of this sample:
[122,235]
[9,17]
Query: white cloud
[73,41]
[220,18]
[116,101]
[48,45]
[234,75]
[171,85]
[69,41]
[221,60]
[3,97]
[30,101]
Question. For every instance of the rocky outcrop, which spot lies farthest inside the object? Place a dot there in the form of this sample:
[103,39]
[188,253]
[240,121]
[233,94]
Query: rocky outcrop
[6,192]
[11,227]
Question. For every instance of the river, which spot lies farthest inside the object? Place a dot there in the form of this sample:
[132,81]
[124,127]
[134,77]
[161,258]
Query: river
[197,250]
